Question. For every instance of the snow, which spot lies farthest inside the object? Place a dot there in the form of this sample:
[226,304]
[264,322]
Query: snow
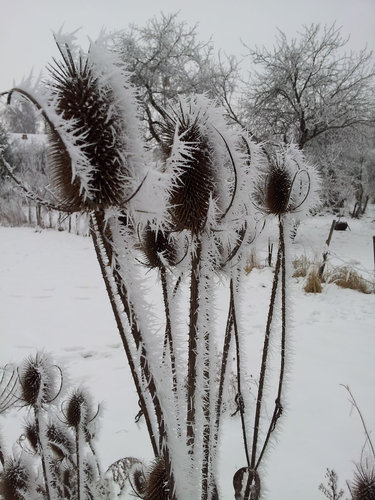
[52,298]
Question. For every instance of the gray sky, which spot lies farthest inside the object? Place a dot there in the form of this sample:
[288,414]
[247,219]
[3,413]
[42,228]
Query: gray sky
[26,26]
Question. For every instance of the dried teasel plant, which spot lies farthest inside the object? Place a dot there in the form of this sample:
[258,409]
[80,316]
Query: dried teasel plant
[188,219]
[287,185]
[80,416]
[39,388]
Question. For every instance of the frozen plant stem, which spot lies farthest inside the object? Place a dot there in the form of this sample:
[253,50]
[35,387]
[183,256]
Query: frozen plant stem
[79,465]
[238,367]
[97,233]
[192,356]
[278,402]
[42,453]
[224,364]
[116,287]
[168,339]
[263,368]
[206,472]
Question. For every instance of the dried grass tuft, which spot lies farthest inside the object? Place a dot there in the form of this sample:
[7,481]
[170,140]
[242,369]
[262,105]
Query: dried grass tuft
[313,282]
[301,266]
[347,277]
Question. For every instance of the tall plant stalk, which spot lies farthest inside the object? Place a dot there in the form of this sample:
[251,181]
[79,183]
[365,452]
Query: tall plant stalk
[192,345]
[116,287]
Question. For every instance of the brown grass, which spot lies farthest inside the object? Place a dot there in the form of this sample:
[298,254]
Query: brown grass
[313,282]
[347,277]
[301,266]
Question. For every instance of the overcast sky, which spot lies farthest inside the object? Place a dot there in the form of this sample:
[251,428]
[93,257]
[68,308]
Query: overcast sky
[26,26]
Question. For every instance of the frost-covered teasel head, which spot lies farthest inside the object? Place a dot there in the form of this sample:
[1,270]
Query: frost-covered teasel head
[96,156]
[288,184]
[91,94]
[59,440]
[17,479]
[40,381]
[210,172]
[159,247]
[186,145]
[79,412]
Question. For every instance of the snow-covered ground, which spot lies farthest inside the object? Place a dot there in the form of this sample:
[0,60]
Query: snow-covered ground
[52,297]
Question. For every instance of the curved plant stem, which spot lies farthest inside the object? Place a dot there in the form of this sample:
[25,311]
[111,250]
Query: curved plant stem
[263,368]
[240,402]
[223,370]
[278,402]
[168,339]
[116,287]
[97,230]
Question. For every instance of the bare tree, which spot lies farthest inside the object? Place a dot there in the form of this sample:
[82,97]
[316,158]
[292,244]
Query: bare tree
[346,160]
[309,86]
[167,60]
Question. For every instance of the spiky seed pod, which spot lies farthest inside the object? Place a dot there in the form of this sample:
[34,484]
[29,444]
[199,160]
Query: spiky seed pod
[157,482]
[15,480]
[363,487]
[76,410]
[195,185]
[37,381]
[277,190]
[59,441]
[288,184]
[85,100]
[31,435]
[158,248]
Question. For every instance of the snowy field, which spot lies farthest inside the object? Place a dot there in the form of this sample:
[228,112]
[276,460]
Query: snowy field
[52,297]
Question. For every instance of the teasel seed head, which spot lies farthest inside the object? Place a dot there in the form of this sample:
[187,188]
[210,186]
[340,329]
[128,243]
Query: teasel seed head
[37,381]
[275,197]
[363,486]
[157,482]
[31,435]
[288,184]
[59,441]
[76,409]
[95,148]
[15,480]
[183,133]
[158,247]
